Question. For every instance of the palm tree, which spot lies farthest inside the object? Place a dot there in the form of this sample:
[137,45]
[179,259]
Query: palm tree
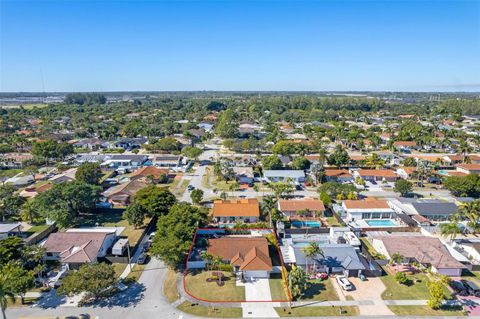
[268,204]
[5,293]
[207,258]
[450,229]
[471,212]
[311,251]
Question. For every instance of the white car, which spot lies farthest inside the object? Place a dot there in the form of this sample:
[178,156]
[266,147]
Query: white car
[344,283]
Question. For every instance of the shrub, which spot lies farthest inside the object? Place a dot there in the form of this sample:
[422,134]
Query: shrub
[402,279]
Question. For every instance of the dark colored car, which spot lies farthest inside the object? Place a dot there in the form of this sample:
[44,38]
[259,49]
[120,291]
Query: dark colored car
[472,288]
[142,259]
[459,288]
[190,187]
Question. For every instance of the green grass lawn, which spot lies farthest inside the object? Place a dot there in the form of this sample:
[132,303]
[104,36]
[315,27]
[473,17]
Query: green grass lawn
[319,291]
[170,286]
[426,311]
[333,222]
[113,218]
[136,272]
[277,287]
[317,311]
[218,312]
[417,290]
[197,286]
[7,173]
[183,187]
[119,268]
[36,229]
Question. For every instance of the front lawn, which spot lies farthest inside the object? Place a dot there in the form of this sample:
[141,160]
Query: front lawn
[170,286]
[319,291]
[316,311]
[213,312]
[197,285]
[7,173]
[119,268]
[136,272]
[417,290]
[426,311]
[277,287]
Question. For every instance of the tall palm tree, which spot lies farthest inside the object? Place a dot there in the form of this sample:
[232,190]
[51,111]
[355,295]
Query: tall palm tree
[450,230]
[471,212]
[269,203]
[5,293]
[311,252]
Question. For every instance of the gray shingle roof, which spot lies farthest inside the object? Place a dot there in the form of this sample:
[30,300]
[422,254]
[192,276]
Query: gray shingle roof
[435,208]
[336,255]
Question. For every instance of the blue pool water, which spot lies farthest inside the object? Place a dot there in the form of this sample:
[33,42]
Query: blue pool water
[380,223]
[306,223]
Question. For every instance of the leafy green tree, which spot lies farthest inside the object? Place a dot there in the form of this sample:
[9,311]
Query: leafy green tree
[65,202]
[196,195]
[284,147]
[450,230]
[333,189]
[6,292]
[92,279]
[437,294]
[192,152]
[327,201]
[168,144]
[403,187]
[468,185]
[227,125]
[50,149]
[175,232]
[409,162]
[155,200]
[135,214]
[297,279]
[10,202]
[89,173]
[402,279]
[282,189]
[471,212]
[11,248]
[21,280]
[339,157]
[271,162]
[300,163]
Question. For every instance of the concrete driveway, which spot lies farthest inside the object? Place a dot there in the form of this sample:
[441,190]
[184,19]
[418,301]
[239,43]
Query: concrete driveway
[370,289]
[258,290]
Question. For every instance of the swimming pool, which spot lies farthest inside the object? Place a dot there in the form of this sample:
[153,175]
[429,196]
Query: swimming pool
[380,223]
[306,223]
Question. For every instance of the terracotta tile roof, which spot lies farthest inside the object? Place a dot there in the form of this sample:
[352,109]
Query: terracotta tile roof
[405,143]
[337,173]
[455,158]
[149,170]
[409,170]
[297,205]
[357,157]
[430,158]
[130,188]
[470,167]
[365,204]
[249,253]
[241,207]
[455,173]
[377,172]
[76,247]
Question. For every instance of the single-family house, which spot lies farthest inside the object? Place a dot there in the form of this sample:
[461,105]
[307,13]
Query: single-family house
[338,175]
[428,251]
[435,210]
[77,248]
[30,192]
[20,181]
[147,172]
[66,176]
[93,143]
[367,209]
[405,145]
[406,172]
[245,210]
[453,159]
[122,195]
[124,161]
[167,160]
[309,207]
[296,176]
[376,175]
[248,255]
[469,168]
[14,160]
[129,143]
[9,229]
[244,175]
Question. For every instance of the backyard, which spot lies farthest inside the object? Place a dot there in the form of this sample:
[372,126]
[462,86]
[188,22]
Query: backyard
[196,284]
[114,218]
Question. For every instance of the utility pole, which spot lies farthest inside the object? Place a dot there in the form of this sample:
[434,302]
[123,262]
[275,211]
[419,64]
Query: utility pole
[129,257]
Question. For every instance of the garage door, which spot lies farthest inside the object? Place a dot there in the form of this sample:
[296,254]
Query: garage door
[257,274]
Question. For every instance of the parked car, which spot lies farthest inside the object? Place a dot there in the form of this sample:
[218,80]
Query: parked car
[472,288]
[344,283]
[142,259]
[459,288]
[150,237]
[146,245]
[190,188]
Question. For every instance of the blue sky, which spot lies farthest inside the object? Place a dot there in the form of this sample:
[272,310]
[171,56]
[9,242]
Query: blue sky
[239,45]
